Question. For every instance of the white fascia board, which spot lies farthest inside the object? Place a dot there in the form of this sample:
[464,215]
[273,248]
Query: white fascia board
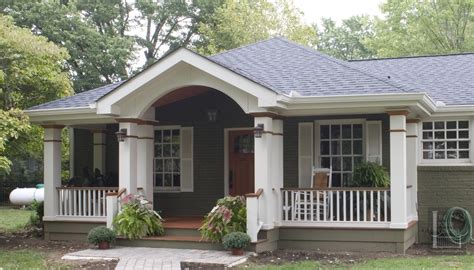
[265,96]
[66,115]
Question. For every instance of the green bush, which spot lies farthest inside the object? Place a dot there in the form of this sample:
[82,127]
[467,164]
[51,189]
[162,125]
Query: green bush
[36,218]
[137,218]
[369,174]
[101,234]
[236,240]
[229,215]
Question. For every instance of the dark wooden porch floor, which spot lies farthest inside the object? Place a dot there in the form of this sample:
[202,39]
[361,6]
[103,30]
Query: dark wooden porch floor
[191,222]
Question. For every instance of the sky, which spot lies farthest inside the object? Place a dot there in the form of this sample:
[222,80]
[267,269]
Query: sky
[338,10]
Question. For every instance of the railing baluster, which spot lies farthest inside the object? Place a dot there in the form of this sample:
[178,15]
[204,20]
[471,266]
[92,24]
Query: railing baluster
[285,196]
[331,212]
[378,206]
[371,205]
[352,205]
[365,205]
[358,205]
[318,207]
[311,199]
[385,205]
[338,206]
[94,205]
[344,203]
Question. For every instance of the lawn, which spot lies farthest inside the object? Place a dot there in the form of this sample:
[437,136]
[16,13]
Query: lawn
[426,262]
[26,259]
[12,220]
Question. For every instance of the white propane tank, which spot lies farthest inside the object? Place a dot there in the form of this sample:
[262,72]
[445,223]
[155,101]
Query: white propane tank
[25,196]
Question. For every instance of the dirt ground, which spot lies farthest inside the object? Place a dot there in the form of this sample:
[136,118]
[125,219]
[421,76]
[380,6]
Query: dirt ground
[53,250]
[325,257]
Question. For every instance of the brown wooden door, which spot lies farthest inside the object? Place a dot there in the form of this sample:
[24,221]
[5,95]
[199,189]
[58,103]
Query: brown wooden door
[241,162]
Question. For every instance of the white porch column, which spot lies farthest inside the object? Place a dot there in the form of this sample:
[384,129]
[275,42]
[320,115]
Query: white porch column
[277,169]
[99,150]
[412,168]
[398,169]
[269,169]
[128,158]
[145,155]
[52,168]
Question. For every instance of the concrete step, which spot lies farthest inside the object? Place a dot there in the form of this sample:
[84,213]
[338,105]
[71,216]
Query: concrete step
[181,242]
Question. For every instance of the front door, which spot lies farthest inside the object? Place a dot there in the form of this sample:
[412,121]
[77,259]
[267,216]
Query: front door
[241,162]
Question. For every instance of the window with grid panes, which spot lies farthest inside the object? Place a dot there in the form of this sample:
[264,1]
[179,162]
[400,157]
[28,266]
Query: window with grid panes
[341,146]
[167,159]
[446,140]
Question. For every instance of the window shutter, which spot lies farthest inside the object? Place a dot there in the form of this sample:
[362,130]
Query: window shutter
[305,154]
[374,141]
[187,171]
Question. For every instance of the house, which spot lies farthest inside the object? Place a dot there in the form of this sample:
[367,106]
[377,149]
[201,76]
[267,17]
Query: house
[257,120]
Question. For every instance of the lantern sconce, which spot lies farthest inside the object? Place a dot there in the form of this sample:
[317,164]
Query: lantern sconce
[258,131]
[121,134]
[211,115]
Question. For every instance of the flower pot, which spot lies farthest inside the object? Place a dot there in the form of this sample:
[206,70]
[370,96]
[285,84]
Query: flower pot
[238,251]
[104,245]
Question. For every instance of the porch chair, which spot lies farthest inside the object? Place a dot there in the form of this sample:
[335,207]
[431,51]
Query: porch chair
[304,202]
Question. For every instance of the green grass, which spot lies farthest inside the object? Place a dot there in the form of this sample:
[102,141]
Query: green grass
[425,262]
[12,220]
[26,259]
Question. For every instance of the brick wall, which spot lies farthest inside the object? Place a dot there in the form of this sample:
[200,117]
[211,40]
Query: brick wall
[439,188]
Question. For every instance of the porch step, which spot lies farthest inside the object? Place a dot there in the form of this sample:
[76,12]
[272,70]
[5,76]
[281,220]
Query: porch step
[182,232]
[180,242]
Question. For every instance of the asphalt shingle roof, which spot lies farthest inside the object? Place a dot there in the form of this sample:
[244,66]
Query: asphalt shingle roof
[446,78]
[283,66]
[82,99]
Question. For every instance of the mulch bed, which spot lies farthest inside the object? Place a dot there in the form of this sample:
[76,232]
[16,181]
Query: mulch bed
[53,250]
[279,257]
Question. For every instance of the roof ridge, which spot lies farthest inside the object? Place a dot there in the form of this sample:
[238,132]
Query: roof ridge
[342,63]
[412,56]
[243,46]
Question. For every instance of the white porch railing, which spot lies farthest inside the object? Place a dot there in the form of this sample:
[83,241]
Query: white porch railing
[83,201]
[253,214]
[333,206]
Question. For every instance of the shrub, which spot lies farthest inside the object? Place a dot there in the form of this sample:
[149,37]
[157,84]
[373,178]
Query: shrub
[101,234]
[236,240]
[137,218]
[36,218]
[369,174]
[229,215]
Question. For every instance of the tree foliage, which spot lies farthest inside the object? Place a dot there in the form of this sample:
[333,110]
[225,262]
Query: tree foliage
[413,27]
[31,71]
[93,32]
[240,22]
[347,41]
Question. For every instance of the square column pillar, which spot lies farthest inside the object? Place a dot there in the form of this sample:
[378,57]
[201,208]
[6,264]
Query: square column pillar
[128,158]
[412,168]
[269,169]
[398,169]
[52,168]
[145,155]
[99,150]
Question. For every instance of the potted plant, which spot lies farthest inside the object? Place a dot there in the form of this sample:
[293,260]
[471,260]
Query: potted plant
[236,242]
[101,236]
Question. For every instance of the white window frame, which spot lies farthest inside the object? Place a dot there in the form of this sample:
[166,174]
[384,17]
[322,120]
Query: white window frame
[166,189]
[446,162]
[317,139]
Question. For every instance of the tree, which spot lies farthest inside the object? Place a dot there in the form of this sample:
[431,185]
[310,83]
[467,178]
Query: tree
[413,27]
[31,72]
[169,24]
[93,32]
[240,22]
[347,41]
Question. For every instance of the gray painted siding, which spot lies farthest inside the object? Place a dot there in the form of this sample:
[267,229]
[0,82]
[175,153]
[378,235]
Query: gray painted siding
[208,150]
[439,188]
[83,150]
[290,142]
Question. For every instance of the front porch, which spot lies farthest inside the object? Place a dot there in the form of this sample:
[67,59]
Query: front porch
[186,141]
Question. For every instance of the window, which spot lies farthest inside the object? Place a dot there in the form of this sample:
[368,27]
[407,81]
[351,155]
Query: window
[167,161]
[341,147]
[445,140]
